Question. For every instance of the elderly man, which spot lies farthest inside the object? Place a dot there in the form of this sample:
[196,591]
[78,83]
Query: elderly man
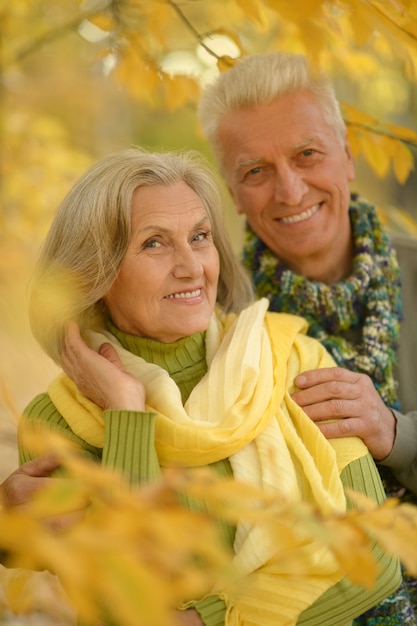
[316,250]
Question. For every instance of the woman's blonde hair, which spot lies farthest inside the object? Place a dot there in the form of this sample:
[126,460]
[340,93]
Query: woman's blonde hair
[88,238]
[258,80]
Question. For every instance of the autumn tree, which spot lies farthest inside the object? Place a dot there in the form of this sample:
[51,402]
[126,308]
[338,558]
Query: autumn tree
[79,76]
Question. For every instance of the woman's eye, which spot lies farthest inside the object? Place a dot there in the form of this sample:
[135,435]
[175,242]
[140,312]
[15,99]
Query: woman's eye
[151,243]
[200,236]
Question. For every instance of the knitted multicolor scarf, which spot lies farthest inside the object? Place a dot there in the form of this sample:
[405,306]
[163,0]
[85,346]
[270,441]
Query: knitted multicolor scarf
[367,303]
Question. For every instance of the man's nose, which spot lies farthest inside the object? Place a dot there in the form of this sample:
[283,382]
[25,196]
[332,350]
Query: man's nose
[290,186]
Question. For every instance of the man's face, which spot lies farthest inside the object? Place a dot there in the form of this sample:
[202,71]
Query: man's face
[289,173]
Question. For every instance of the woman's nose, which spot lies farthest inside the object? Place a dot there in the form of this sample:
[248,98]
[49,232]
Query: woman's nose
[187,263]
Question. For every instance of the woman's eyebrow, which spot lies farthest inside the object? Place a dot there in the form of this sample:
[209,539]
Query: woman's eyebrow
[167,231]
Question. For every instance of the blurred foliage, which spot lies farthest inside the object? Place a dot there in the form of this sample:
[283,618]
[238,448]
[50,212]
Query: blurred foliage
[79,79]
[152,553]
[76,74]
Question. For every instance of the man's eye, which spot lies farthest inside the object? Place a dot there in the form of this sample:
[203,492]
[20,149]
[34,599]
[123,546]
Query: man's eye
[307,152]
[255,170]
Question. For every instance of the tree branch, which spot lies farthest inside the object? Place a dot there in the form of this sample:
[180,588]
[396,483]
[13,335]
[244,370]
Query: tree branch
[56,33]
[391,21]
[383,132]
[192,29]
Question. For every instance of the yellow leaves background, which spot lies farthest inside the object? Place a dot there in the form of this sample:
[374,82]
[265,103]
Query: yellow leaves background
[381,144]
[103,72]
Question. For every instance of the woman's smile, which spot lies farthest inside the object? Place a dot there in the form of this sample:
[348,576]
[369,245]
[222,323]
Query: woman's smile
[182,295]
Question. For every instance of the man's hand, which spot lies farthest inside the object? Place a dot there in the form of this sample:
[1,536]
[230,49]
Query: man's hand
[25,481]
[351,398]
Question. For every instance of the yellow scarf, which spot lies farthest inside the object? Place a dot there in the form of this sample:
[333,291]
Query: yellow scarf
[242,410]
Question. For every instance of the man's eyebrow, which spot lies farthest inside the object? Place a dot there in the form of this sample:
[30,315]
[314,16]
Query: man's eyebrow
[249,162]
[260,160]
[305,143]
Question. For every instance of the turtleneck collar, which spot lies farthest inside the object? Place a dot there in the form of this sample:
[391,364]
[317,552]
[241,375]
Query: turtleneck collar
[184,359]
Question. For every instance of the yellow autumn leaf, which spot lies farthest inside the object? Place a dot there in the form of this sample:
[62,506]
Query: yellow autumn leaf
[225,63]
[351,547]
[156,20]
[294,10]
[375,150]
[361,21]
[14,527]
[136,70]
[18,592]
[105,21]
[227,498]
[60,498]
[403,132]
[254,11]
[360,64]
[75,564]
[312,33]
[179,90]
[395,529]
[379,149]
[388,21]
[403,162]
[354,115]
[131,590]
[309,24]
[26,592]
[354,139]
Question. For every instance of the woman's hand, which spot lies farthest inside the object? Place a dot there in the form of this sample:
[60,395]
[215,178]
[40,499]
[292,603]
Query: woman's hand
[100,375]
[350,397]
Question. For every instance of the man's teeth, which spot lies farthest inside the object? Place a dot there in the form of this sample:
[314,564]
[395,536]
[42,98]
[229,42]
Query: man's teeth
[301,216]
[185,294]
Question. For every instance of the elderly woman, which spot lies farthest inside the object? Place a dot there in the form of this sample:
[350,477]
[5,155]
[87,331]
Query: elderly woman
[169,362]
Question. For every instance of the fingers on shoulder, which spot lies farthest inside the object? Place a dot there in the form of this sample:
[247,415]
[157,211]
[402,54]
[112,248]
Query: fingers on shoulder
[340,428]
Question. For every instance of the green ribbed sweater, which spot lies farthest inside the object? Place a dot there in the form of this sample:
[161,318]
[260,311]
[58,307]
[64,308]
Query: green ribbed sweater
[129,447]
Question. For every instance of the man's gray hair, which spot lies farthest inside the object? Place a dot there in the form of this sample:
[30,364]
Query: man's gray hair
[259,80]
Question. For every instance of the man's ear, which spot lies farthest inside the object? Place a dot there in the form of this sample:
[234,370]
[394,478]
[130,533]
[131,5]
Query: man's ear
[237,206]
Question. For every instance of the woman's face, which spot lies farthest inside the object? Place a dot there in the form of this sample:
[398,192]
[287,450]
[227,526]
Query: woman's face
[167,284]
